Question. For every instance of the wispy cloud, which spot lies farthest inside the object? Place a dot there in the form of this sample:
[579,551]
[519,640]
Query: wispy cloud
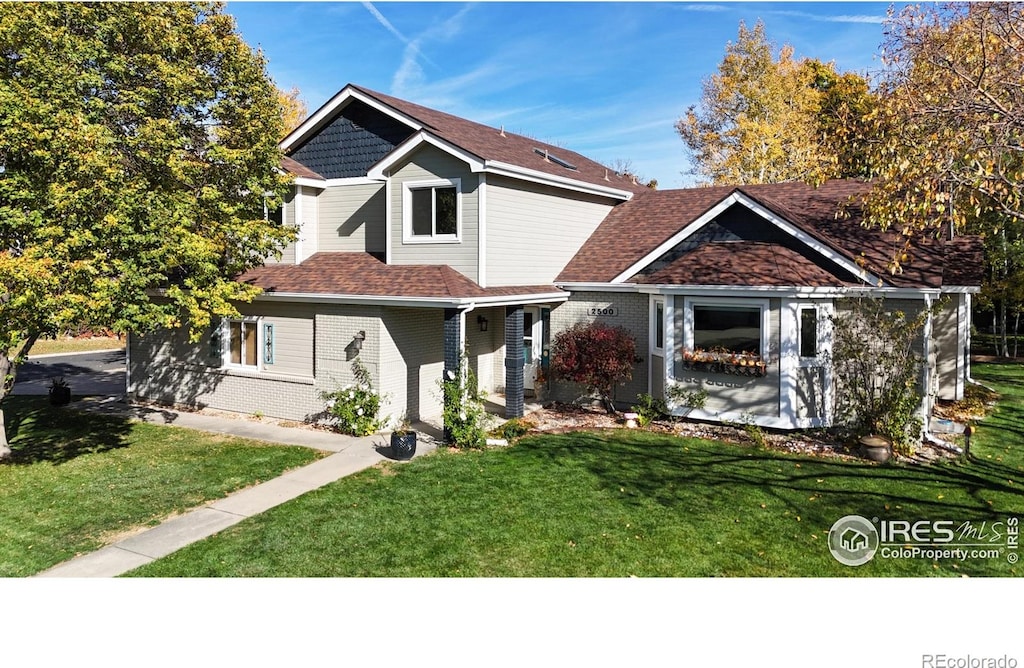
[702,7]
[829,18]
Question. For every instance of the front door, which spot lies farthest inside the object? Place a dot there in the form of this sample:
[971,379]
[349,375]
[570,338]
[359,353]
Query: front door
[532,344]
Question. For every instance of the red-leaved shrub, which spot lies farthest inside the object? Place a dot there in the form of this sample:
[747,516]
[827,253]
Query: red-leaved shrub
[596,355]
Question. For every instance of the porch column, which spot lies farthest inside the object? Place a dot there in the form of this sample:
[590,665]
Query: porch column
[453,322]
[513,361]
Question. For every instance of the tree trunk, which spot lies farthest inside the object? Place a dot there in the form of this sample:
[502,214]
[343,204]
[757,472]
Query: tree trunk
[8,374]
[1016,333]
[5,448]
[1004,326]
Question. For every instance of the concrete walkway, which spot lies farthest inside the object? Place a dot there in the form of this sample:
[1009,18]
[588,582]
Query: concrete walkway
[351,455]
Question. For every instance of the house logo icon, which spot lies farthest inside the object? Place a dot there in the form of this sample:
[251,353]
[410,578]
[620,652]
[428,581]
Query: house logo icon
[853,540]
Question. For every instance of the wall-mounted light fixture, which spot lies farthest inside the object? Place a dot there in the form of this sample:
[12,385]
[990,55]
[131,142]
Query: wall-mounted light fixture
[357,340]
[482,321]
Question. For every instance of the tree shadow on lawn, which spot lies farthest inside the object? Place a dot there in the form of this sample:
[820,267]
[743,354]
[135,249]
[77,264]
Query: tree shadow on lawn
[819,490]
[39,432]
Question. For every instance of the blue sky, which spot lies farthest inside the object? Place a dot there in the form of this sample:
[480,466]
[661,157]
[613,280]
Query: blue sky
[605,79]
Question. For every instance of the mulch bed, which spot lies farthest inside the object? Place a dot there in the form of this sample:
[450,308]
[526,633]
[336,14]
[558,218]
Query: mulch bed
[563,418]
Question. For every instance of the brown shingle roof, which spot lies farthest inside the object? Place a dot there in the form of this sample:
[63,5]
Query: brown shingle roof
[635,228]
[964,261]
[489,143]
[296,168]
[362,274]
[742,263]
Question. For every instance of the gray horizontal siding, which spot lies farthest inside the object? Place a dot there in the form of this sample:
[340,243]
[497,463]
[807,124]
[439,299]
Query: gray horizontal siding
[533,230]
[428,164]
[352,218]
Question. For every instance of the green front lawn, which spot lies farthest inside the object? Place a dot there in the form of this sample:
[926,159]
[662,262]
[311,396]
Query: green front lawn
[66,345]
[621,503]
[78,481]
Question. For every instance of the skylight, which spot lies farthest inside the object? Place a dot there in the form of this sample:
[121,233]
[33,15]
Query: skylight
[554,158]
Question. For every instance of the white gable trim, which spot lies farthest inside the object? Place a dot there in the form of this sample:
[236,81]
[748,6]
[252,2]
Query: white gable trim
[526,174]
[739,198]
[411,145]
[327,112]
[477,165]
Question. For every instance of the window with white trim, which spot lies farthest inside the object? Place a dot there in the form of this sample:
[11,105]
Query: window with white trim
[809,337]
[250,343]
[735,326]
[658,326]
[432,211]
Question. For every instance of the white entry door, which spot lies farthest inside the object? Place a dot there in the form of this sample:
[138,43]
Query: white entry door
[533,340]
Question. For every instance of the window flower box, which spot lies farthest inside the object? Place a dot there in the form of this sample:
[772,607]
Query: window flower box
[735,364]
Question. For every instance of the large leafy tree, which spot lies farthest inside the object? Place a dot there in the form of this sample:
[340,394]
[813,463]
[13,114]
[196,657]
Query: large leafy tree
[947,138]
[767,119]
[137,146]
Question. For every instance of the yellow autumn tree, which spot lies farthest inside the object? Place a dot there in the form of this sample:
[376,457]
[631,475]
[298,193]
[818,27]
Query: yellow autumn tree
[768,119]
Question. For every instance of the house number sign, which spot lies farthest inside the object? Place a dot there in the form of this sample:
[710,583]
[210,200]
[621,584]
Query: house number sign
[604,310]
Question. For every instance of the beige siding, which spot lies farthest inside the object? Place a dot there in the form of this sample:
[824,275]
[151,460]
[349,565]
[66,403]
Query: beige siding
[728,393]
[293,333]
[429,164]
[288,254]
[532,231]
[632,312]
[352,218]
[306,217]
[947,335]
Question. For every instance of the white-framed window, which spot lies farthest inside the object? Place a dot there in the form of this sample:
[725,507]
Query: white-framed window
[248,343]
[734,325]
[809,337]
[658,325]
[432,211]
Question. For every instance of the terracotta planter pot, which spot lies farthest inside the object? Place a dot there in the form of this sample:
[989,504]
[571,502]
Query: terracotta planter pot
[876,448]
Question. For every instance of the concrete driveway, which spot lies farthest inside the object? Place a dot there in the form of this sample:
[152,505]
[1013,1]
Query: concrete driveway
[92,373]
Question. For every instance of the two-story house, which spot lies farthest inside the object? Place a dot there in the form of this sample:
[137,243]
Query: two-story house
[423,236]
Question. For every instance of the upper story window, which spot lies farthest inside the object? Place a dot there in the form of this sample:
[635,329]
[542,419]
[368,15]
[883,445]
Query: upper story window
[432,211]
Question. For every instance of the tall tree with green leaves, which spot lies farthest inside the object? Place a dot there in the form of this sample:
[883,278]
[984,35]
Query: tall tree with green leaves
[767,119]
[137,147]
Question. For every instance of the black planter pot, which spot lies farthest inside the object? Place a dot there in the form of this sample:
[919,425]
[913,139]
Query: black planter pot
[60,396]
[403,444]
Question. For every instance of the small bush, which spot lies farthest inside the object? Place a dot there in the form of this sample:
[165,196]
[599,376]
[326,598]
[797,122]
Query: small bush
[514,428]
[356,406]
[648,409]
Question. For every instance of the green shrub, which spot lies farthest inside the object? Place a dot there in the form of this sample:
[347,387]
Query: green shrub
[464,413]
[514,428]
[356,406]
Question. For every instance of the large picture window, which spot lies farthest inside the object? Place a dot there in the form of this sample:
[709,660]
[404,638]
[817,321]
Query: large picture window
[431,211]
[736,329]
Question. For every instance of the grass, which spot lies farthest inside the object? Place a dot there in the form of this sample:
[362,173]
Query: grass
[73,345]
[77,480]
[621,503]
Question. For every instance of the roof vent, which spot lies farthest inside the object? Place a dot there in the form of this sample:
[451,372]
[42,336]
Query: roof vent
[554,158]
[502,131]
